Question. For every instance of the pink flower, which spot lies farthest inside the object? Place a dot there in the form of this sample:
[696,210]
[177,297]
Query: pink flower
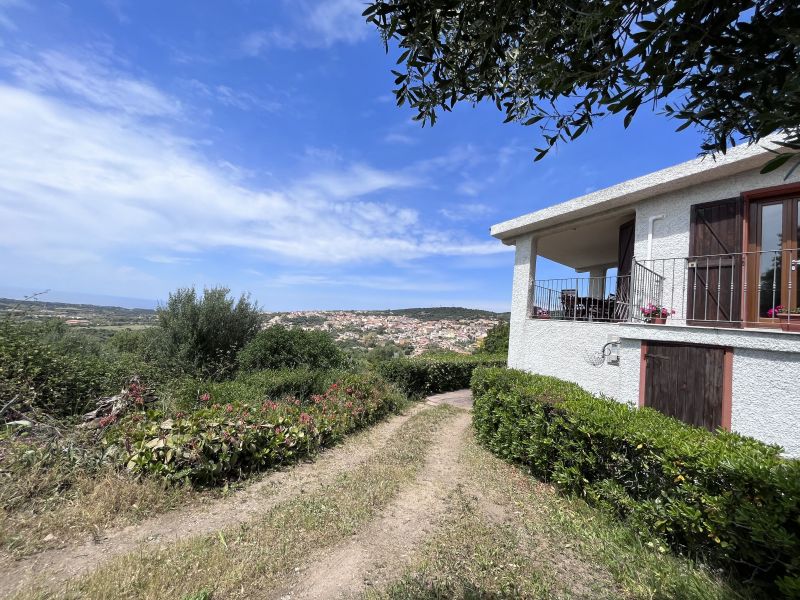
[305,418]
[229,408]
[205,397]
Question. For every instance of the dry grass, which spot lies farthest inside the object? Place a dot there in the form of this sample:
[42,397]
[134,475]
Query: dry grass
[510,536]
[249,560]
[92,503]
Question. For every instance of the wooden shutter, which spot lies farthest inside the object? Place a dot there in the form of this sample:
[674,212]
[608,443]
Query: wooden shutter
[624,265]
[714,274]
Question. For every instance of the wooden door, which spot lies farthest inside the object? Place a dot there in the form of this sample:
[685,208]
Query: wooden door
[774,233]
[687,382]
[714,267]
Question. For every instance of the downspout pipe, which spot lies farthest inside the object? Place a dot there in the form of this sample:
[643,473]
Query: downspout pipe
[650,227]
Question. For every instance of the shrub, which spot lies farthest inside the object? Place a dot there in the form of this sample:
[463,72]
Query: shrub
[435,373]
[204,334]
[45,367]
[727,498]
[251,388]
[228,441]
[279,348]
[496,340]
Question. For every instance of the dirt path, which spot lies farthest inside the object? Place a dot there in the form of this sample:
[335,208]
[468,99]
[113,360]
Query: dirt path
[380,551]
[54,566]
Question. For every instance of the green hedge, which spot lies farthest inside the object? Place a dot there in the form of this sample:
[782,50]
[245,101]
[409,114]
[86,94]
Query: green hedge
[227,441]
[726,498]
[435,373]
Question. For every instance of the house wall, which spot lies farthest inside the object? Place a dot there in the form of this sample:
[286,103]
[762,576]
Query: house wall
[765,390]
[563,349]
[671,234]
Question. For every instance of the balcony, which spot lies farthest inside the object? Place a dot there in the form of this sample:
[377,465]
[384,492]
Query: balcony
[747,289]
[582,299]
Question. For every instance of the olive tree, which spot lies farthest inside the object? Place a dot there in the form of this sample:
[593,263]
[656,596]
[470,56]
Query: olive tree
[728,67]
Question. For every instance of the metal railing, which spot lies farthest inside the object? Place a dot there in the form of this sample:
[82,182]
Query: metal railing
[582,299]
[755,289]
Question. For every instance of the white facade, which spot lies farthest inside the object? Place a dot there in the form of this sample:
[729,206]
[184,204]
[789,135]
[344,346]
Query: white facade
[765,389]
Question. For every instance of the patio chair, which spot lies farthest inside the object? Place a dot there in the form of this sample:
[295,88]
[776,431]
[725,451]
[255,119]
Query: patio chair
[569,301]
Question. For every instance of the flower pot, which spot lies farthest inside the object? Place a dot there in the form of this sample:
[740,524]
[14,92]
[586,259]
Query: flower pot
[789,324]
[658,320]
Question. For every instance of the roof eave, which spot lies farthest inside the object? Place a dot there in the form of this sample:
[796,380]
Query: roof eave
[673,178]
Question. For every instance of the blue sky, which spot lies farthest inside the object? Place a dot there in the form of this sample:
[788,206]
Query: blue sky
[150,145]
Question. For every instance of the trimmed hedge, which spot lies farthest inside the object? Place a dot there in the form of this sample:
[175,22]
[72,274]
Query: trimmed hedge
[223,442]
[435,373]
[726,498]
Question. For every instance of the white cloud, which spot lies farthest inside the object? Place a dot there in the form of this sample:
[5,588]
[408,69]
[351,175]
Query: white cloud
[399,138]
[92,81]
[465,212]
[319,24]
[388,283]
[83,186]
[233,98]
[6,7]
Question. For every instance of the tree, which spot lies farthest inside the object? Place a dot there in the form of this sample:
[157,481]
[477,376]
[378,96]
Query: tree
[204,334]
[279,348]
[729,67]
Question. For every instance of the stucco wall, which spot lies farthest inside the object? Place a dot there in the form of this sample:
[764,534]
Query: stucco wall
[671,234]
[562,349]
[766,397]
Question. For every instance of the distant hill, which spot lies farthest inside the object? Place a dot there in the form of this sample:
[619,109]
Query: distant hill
[95,315]
[443,312]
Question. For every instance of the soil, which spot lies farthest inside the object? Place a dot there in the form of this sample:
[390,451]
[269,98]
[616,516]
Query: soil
[379,552]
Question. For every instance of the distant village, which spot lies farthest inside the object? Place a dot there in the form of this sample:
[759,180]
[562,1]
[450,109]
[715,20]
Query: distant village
[368,329]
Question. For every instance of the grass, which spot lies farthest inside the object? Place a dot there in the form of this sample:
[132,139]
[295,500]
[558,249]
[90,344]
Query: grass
[93,503]
[248,560]
[510,536]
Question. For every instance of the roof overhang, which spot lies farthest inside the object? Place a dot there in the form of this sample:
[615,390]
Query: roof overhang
[611,199]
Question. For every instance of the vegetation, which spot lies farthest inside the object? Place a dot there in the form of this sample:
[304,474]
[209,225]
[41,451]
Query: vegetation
[725,498]
[230,441]
[729,68]
[263,555]
[214,401]
[45,366]
[279,348]
[435,373]
[506,535]
[203,334]
[496,340]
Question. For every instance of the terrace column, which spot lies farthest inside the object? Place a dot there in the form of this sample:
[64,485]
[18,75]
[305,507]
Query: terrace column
[597,282]
[524,277]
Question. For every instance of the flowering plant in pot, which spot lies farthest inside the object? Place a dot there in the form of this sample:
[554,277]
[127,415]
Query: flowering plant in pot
[788,318]
[656,314]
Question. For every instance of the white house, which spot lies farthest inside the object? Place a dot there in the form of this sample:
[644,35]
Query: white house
[714,241]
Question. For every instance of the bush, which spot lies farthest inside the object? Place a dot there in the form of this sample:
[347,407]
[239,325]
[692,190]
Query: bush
[46,367]
[279,348]
[435,373]
[221,442]
[204,334]
[723,497]
[496,340]
[251,388]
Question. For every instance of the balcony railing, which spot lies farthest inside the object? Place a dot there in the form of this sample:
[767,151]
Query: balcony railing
[747,288]
[582,299]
